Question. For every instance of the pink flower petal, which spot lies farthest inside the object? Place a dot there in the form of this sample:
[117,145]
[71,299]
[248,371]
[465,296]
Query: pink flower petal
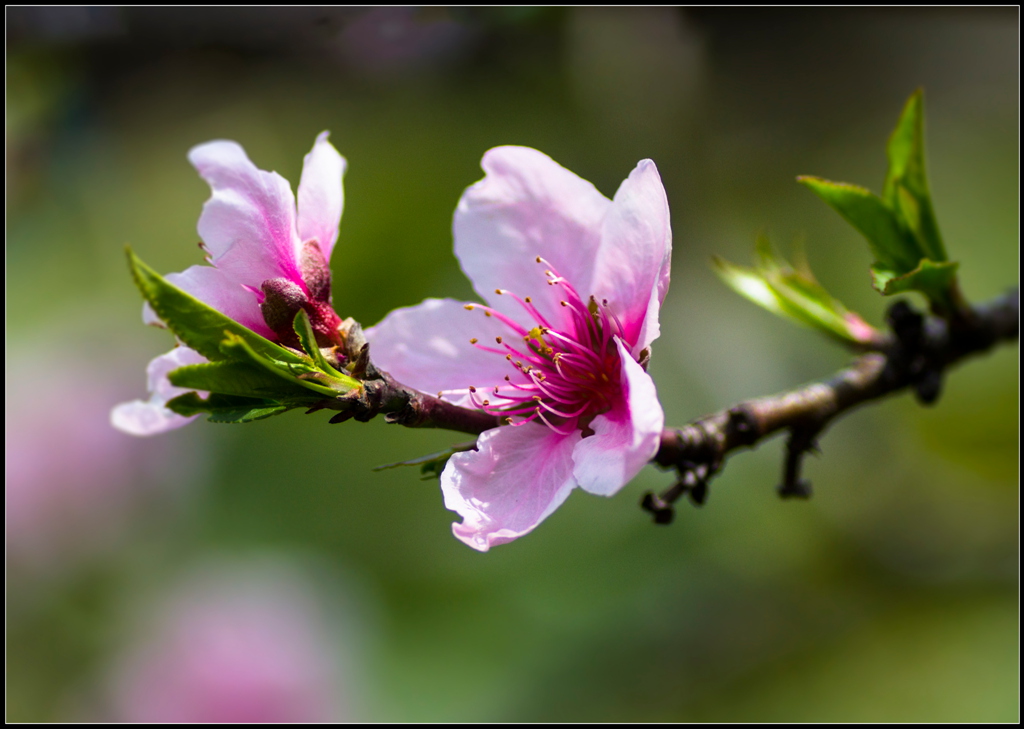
[321,198]
[624,439]
[510,484]
[248,225]
[427,348]
[212,286]
[632,268]
[527,206]
[150,318]
[150,417]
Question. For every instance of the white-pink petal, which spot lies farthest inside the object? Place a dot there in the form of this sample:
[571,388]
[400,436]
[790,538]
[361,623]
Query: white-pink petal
[212,286]
[321,197]
[527,206]
[248,224]
[632,266]
[626,438]
[427,348]
[150,417]
[149,317]
[514,480]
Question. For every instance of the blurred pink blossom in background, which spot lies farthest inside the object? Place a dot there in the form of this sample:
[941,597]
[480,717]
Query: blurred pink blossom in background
[234,642]
[392,41]
[74,484]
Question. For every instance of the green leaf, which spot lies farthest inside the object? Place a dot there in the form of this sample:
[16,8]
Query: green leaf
[934,280]
[749,284]
[432,464]
[228,408]
[249,377]
[906,182]
[793,293]
[302,373]
[892,244]
[237,378]
[900,226]
[199,326]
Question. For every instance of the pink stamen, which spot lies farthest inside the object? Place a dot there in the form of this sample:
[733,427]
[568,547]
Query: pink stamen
[526,420]
[528,305]
[550,425]
[499,316]
[560,413]
[569,370]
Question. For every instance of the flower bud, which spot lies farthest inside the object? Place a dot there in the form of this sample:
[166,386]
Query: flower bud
[282,300]
[315,271]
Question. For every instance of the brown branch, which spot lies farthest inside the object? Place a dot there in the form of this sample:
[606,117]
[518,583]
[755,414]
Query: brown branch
[381,394]
[915,355]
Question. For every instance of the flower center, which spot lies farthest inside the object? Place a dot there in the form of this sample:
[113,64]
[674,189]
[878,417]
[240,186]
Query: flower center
[562,376]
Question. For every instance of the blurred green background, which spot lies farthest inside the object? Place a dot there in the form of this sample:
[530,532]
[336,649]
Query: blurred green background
[892,595]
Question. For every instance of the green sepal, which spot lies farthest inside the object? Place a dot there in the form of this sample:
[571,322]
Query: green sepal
[433,464]
[237,378]
[934,280]
[197,325]
[307,338]
[793,293]
[228,408]
[906,182]
[892,245]
[302,373]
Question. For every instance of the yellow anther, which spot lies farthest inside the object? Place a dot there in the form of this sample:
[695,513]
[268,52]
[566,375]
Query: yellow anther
[538,259]
[498,291]
[508,357]
[473,340]
[528,300]
[498,340]
[563,303]
[487,313]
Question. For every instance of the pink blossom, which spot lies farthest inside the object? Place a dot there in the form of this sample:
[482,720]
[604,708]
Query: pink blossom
[392,41]
[268,260]
[75,487]
[236,642]
[573,284]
